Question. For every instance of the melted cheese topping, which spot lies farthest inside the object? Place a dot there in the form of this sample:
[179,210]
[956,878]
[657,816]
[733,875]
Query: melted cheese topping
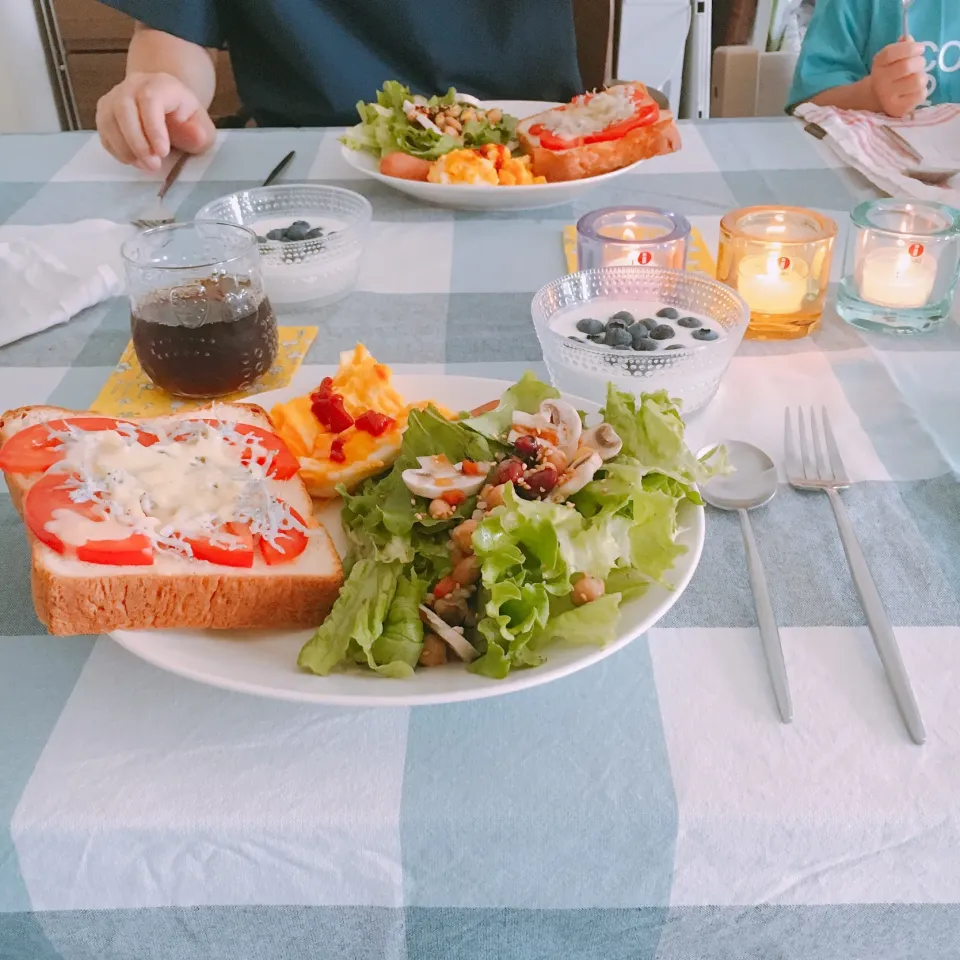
[579,119]
[174,489]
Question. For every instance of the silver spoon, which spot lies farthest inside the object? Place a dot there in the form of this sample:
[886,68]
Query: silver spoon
[753,483]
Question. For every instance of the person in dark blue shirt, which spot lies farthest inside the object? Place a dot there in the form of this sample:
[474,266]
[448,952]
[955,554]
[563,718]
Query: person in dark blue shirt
[308,62]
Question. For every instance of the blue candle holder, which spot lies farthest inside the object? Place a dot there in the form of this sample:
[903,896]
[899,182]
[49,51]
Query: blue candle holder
[632,236]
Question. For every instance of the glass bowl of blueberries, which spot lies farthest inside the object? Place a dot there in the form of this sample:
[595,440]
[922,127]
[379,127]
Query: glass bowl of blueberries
[310,238]
[641,328]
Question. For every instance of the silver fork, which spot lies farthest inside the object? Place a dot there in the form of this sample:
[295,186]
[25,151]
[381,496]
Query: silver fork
[156,215]
[816,469]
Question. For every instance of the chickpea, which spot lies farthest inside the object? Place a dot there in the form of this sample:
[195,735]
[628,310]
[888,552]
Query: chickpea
[494,497]
[468,115]
[434,652]
[557,457]
[586,590]
[463,537]
[494,116]
[454,110]
[467,571]
[454,124]
[440,510]
[456,555]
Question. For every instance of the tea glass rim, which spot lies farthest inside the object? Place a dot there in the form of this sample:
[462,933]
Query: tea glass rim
[859,216]
[681,226]
[126,246]
[730,220]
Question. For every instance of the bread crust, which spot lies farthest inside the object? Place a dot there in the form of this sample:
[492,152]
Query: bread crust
[69,606]
[72,597]
[594,159]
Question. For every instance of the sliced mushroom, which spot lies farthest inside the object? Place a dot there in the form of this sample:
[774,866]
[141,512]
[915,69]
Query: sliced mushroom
[604,440]
[557,422]
[576,476]
[453,638]
[437,476]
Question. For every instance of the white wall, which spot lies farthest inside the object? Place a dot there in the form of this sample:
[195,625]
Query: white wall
[27,103]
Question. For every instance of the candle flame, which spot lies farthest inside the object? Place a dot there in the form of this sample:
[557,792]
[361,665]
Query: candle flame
[628,234]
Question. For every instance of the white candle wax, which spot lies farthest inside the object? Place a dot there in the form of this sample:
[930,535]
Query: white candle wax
[890,277]
[770,284]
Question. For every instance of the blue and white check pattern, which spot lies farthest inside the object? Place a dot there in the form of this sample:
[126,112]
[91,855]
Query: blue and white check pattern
[650,808]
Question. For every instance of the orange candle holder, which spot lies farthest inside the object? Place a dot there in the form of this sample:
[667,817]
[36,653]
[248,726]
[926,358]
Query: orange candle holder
[778,259]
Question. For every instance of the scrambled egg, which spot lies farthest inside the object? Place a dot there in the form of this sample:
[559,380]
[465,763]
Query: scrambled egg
[491,164]
[364,385]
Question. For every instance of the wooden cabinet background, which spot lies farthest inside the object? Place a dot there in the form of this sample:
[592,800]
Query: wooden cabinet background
[95,39]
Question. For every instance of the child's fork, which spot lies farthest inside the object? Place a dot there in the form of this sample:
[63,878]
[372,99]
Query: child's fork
[156,215]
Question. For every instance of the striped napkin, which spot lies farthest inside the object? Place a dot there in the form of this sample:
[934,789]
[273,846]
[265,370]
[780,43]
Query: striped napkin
[853,135]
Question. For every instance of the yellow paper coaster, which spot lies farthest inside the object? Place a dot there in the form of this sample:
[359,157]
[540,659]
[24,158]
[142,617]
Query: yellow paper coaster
[699,257]
[128,391]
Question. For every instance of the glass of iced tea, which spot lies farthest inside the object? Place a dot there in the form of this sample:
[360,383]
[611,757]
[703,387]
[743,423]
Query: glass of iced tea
[201,323]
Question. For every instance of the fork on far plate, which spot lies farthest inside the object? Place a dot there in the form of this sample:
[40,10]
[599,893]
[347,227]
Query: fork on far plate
[156,215]
[816,465]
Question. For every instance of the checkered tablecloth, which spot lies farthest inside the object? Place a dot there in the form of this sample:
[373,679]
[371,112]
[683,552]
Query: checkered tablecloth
[649,808]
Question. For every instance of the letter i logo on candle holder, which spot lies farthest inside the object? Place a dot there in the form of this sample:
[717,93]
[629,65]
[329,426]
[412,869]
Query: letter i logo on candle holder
[784,264]
[645,257]
[916,250]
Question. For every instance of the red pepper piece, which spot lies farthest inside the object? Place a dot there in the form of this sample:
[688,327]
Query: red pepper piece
[374,423]
[324,390]
[331,413]
[336,451]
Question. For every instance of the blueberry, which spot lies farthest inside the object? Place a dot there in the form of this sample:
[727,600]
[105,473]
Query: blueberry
[588,325]
[691,323]
[668,313]
[261,239]
[644,344]
[639,332]
[675,346]
[297,231]
[622,346]
[617,336]
[649,323]
[624,315]
[663,331]
[596,337]
[705,334]
[315,234]
[615,324]
[276,234]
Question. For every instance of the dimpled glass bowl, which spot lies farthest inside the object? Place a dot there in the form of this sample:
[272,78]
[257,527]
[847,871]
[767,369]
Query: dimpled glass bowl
[302,273]
[691,374]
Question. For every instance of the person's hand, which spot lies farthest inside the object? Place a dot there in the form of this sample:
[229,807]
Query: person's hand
[146,115]
[899,77]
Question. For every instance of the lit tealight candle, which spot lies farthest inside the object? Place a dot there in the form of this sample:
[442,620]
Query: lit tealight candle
[633,256]
[895,277]
[771,284]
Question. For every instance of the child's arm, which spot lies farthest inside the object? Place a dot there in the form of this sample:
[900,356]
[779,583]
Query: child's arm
[833,69]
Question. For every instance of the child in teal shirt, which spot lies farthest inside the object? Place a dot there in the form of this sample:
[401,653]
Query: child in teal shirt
[855,57]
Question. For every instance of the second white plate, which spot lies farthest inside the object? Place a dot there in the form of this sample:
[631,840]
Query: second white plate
[473,197]
[265,662]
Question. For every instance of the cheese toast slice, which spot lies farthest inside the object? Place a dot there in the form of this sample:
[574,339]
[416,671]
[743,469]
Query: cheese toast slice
[73,596]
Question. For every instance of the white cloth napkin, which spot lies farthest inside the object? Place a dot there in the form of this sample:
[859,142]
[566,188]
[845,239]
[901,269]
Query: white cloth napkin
[48,274]
[853,135]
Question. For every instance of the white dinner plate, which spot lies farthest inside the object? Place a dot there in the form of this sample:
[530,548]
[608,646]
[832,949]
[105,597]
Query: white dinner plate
[265,662]
[476,197]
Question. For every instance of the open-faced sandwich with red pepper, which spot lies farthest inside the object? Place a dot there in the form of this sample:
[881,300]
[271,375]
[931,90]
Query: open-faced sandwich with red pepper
[597,133]
[196,520]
